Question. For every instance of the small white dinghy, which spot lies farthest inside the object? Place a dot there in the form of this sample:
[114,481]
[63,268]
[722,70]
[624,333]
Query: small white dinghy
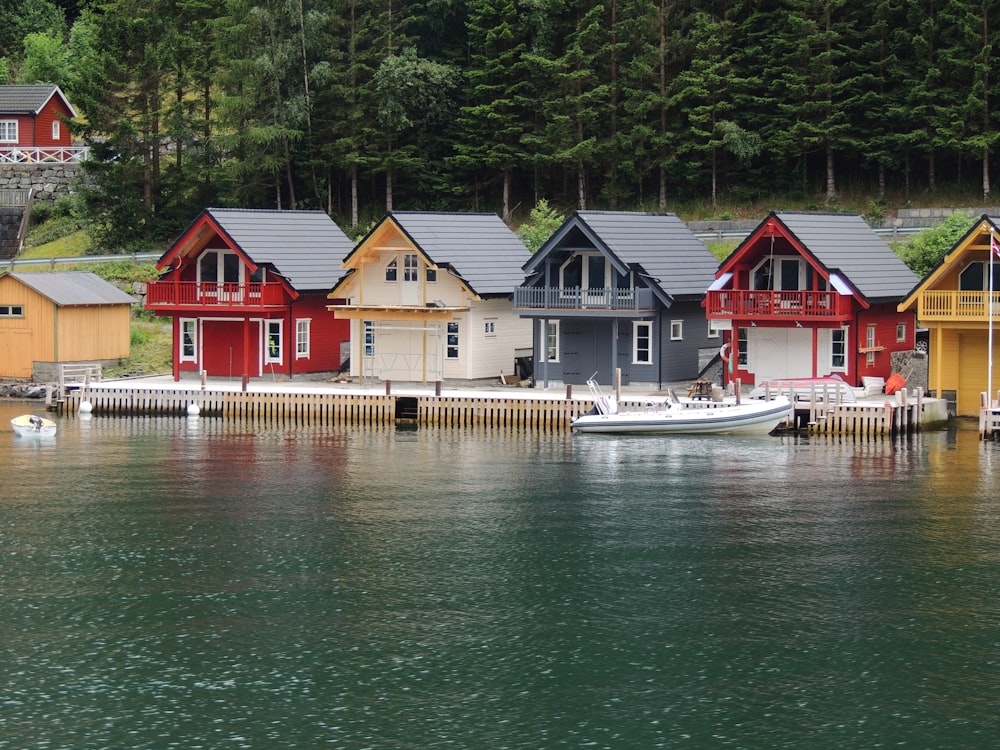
[684,417]
[30,425]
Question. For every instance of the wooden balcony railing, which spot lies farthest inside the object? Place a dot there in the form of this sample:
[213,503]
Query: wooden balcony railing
[956,305]
[575,298]
[46,154]
[781,304]
[195,294]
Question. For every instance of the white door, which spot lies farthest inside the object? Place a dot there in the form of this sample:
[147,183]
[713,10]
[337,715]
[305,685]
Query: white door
[411,280]
[774,353]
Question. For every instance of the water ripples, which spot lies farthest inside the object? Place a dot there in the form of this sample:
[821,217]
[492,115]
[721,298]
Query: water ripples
[168,585]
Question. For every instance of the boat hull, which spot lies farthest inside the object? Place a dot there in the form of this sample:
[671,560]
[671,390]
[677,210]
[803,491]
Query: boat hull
[748,417]
[29,425]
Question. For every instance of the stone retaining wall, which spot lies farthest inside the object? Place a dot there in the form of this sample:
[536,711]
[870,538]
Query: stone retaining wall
[49,180]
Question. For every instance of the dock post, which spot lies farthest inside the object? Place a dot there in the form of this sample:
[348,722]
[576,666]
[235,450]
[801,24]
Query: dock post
[437,388]
[388,388]
[569,391]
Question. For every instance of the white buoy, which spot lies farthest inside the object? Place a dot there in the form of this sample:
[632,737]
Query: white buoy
[86,407]
[193,410]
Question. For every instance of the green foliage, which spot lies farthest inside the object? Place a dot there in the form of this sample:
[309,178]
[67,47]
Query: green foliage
[542,224]
[122,271]
[364,105]
[46,59]
[138,336]
[924,251]
[150,349]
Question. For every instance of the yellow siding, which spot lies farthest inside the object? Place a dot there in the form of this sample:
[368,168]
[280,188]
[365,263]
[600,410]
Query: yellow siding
[98,332]
[28,339]
[48,333]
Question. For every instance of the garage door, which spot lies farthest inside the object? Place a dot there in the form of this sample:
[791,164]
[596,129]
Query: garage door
[779,353]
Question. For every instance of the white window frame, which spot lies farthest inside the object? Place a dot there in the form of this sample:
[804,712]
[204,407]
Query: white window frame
[713,332]
[273,330]
[870,344]
[551,342]
[676,330]
[56,130]
[392,270]
[637,327]
[368,338]
[453,340]
[302,338]
[11,311]
[490,328]
[411,267]
[900,332]
[8,131]
[742,346]
[841,345]
[185,323]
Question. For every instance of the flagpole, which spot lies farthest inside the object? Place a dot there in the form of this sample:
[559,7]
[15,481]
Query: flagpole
[989,344]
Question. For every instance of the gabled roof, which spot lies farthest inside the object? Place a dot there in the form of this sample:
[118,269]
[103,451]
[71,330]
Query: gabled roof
[842,244]
[660,245]
[30,99]
[479,248]
[305,247]
[72,288]
[984,225]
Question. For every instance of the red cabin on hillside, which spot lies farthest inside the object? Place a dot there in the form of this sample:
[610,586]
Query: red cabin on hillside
[808,295]
[247,293]
[34,125]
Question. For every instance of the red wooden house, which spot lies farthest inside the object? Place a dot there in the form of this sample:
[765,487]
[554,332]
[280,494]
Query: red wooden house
[247,291]
[812,294]
[34,124]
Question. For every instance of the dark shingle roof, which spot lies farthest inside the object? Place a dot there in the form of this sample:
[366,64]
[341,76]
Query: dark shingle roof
[845,243]
[68,288]
[480,248]
[29,99]
[306,247]
[660,244]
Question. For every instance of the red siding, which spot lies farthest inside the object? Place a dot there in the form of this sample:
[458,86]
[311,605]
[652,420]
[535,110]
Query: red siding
[885,318]
[37,131]
[326,335]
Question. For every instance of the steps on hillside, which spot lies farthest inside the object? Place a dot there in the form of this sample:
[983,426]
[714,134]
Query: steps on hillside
[10,226]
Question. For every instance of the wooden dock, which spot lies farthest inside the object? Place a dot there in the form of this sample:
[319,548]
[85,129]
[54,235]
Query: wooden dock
[507,409]
[334,408]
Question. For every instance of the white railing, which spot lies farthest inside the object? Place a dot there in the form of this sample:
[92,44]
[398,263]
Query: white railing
[43,154]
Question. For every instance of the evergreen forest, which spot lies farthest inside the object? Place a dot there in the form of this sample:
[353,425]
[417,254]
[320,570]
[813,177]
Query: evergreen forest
[362,106]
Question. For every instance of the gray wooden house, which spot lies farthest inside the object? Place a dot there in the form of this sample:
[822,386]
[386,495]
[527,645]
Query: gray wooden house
[619,290]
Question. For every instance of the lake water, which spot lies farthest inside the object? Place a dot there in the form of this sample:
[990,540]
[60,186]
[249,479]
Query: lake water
[176,584]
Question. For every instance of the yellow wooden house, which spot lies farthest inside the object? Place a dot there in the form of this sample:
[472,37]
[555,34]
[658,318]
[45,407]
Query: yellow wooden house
[951,302]
[60,317]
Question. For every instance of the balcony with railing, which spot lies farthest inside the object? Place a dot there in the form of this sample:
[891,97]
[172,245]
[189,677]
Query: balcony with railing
[945,305]
[576,298]
[43,154]
[167,295]
[777,305]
